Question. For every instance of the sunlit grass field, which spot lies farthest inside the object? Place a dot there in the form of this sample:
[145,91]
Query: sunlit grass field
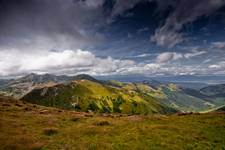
[28,126]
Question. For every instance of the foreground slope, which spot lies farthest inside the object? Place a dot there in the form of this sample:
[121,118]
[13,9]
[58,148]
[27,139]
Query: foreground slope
[86,95]
[29,126]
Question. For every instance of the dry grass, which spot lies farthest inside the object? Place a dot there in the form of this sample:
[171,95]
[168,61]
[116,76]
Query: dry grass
[48,128]
[50,131]
[102,123]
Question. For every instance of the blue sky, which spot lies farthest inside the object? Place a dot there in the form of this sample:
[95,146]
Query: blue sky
[112,37]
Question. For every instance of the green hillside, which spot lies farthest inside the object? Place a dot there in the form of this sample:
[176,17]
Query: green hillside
[120,97]
[85,95]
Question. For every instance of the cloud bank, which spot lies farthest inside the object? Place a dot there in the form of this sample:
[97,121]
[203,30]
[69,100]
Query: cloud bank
[59,62]
[82,61]
[168,56]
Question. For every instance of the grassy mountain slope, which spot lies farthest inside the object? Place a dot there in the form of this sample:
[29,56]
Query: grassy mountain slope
[111,96]
[85,95]
[115,96]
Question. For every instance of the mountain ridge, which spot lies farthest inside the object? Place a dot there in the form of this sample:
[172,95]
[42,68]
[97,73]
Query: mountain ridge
[171,96]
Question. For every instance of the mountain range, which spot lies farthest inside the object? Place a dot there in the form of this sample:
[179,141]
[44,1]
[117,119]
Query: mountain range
[85,93]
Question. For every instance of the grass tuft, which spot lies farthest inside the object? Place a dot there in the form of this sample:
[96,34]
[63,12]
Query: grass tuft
[50,131]
[75,119]
[102,123]
[27,109]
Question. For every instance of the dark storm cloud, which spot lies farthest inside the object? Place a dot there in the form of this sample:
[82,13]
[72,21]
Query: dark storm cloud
[35,23]
[181,13]
[59,24]
[123,5]
[185,11]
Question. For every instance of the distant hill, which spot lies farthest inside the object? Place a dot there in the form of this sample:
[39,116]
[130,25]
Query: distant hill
[215,90]
[215,93]
[4,82]
[188,80]
[39,78]
[178,98]
[221,109]
[20,86]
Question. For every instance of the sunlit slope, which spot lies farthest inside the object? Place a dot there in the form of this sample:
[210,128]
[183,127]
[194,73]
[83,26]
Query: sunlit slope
[85,95]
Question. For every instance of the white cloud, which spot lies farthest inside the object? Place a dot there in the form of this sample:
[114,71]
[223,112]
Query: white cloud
[168,56]
[143,55]
[142,30]
[218,45]
[164,57]
[165,37]
[193,54]
[214,66]
[207,61]
[218,66]
[15,62]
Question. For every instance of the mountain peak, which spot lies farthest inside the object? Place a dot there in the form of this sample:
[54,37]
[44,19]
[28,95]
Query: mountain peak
[43,78]
[30,75]
[85,76]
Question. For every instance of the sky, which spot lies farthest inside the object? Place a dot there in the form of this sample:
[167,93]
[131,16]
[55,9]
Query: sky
[112,37]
